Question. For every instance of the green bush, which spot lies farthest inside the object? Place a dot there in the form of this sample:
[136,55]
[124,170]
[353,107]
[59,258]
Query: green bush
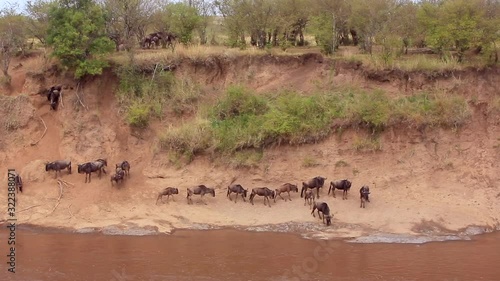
[138,114]
[245,120]
[238,101]
[189,139]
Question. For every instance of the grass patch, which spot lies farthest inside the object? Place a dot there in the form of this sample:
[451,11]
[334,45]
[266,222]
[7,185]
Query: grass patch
[144,97]
[341,163]
[309,162]
[242,120]
[407,62]
[367,144]
[245,159]
[189,139]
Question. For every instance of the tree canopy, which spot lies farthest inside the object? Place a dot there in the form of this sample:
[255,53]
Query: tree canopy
[76,32]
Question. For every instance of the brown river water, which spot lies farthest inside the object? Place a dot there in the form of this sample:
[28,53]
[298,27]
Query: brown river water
[239,255]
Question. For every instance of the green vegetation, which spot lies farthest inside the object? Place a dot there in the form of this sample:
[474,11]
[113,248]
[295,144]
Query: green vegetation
[77,35]
[242,119]
[144,97]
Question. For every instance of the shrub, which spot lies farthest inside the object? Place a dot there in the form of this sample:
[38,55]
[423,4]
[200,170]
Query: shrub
[138,114]
[188,139]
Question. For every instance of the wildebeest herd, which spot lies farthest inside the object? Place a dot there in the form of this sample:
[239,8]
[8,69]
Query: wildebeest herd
[122,170]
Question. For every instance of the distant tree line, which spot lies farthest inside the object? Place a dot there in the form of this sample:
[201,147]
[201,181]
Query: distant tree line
[82,31]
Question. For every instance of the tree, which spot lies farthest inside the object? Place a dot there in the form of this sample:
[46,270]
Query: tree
[126,18]
[77,34]
[370,19]
[205,11]
[182,20]
[403,24]
[38,15]
[330,24]
[454,24]
[12,37]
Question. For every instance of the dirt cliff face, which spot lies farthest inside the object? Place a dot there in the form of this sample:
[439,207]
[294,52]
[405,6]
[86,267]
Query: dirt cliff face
[421,181]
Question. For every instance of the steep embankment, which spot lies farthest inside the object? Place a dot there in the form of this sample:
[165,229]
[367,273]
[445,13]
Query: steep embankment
[422,181]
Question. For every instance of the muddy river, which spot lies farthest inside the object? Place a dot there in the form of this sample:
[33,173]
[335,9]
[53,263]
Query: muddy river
[239,255]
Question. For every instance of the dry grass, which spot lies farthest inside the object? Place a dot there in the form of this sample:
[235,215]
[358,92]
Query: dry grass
[193,53]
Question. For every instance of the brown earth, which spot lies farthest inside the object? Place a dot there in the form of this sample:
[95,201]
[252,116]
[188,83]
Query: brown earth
[421,181]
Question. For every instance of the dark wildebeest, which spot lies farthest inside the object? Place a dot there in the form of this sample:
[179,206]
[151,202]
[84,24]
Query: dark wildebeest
[323,208]
[309,197]
[343,185]
[316,182]
[238,189]
[169,191]
[90,167]
[125,165]
[18,182]
[262,191]
[53,96]
[118,177]
[199,190]
[287,187]
[363,195]
[150,39]
[58,166]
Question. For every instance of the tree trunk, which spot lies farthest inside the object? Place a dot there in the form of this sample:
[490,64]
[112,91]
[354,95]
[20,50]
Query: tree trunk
[334,33]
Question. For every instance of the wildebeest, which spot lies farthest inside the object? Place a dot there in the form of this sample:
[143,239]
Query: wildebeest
[316,182]
[58,165]
[169,191]
[90,167]
[238,189]
[125,165]
[323,208]
[343,185]
[157,38]
[199,190]
[53,96]
[363,195]
[18,182]
[262,191]
[309,197]
[287,187]
[118,176]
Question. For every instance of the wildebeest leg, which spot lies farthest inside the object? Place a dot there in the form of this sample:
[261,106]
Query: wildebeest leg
[244,200]
[235,198]
[289,198]
[268,201]
[317,191]
[280,197]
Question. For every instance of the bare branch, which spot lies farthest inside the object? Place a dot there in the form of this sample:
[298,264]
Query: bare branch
[44,132]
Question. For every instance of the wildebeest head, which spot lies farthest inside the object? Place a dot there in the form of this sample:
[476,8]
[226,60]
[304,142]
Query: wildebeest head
[175,190]
[273,194]
[103,161]
[328,220]
[80,167]
[47,166]
[293,187]
[245,191]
